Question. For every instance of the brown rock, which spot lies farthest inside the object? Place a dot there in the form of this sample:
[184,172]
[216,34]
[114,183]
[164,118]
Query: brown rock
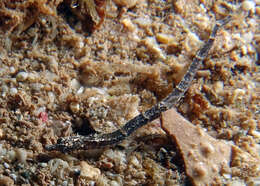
[6,181]
[205,158]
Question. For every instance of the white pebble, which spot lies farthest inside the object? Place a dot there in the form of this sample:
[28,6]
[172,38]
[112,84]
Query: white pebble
[65,183]
[1,133]
[239,93]
[12,69]
[21,155]
[89,171]
[248,5]
[51,96]
[75,84]
[81,90]
[13,176]
[43,165]
[21,76]
[80,44]
[13,91]
[74,107]
[218,87]
[114,183]
[6,165]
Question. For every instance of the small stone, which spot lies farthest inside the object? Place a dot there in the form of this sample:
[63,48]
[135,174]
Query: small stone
[43,165]
[74,107]
[248,6]
[13,91]
[80,44]
[88,171]
[6,181]
[218,87]
[239,94]
[51,96]
[114,183]
[21,155]
[13,176]
[1,133]
[64,183]
[128,24]
[75,84]
[21,76]
[11,155]
[81,90]
[12,70]
[165,39]
[6,165]
[33,77]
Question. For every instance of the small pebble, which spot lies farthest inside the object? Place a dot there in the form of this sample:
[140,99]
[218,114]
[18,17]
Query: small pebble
[43,165]
[13,91]
[75,84]
[92,183]
[21,76]
[128,24]
[21,155]
[81,90]
[12,70]
[1,133]
[89,171]
[64,183]
[239,94]
[13,176]
[80,44]
[74,107]
[218,87]
[248,5]
[6,165]
[165,38]
[11,155]
[114,183]
[6,181]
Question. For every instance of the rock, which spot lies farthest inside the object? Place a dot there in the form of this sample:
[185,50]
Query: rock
[21,155]
[6,181]
[88,171]
[205,158]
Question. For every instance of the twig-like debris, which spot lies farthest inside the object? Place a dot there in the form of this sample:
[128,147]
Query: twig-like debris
[101,140]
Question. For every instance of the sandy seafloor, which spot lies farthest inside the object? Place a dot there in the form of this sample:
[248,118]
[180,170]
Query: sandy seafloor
[57,79]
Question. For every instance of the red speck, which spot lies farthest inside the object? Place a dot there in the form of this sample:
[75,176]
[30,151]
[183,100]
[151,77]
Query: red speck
[43,116]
